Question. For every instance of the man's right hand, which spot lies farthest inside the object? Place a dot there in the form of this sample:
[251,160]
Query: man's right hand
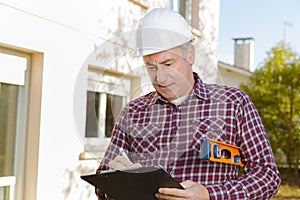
[121,162]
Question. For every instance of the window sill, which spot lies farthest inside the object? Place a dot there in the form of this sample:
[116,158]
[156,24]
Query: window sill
[92,155]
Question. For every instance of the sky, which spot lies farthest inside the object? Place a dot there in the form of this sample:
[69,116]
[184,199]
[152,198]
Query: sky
[262,19]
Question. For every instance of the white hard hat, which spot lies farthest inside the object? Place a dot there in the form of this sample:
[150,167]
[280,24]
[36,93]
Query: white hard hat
[160,30]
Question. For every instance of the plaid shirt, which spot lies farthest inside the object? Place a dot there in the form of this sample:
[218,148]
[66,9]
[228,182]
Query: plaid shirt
[154,131]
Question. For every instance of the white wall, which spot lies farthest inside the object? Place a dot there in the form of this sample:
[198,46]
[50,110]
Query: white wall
[64,50]
[65,32]
[231,78]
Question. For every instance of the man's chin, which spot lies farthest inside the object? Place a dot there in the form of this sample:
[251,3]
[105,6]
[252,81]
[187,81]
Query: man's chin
[168,96]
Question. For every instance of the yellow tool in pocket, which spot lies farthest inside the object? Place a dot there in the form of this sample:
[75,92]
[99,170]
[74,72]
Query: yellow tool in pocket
[220,152]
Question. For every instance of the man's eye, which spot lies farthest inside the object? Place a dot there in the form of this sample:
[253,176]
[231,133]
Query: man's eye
[151,67]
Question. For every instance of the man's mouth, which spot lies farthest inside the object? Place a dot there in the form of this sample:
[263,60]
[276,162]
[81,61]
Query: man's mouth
[164,86]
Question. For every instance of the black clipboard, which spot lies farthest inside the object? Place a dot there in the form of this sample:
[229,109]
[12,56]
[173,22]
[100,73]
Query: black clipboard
[132,183]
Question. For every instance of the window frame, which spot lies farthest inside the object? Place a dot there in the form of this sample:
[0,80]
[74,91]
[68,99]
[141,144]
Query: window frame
[100,143]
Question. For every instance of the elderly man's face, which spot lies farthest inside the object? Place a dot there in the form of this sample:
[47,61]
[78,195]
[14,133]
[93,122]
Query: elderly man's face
[171,71]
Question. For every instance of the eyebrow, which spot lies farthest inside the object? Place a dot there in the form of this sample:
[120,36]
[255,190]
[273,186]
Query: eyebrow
[166,61]
[161,63]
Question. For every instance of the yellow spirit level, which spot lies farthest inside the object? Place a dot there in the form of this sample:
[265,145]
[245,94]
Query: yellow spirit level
[220,152]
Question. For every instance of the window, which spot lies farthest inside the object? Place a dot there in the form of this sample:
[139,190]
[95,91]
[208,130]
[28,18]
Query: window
[8,125]
[186,10]
[107,93]
[189,9]
[101,107]
[13,112]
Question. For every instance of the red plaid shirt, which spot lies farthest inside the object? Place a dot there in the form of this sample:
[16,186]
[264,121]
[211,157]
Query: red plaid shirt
[154,131]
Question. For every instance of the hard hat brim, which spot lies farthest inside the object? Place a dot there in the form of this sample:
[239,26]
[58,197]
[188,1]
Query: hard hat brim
[151,40]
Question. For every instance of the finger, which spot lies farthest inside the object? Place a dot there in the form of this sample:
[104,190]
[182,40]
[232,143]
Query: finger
[120,162]
[115,165]
[125,161]
[137,165]
[187,184]
[172,192]
[160,196]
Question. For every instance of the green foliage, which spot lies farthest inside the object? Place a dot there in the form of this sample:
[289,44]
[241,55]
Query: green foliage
[275,90]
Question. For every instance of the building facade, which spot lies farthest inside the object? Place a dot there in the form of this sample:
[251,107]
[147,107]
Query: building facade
[240,72]
[66,69]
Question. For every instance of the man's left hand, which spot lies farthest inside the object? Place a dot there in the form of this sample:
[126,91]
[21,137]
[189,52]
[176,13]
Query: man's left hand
[192,191]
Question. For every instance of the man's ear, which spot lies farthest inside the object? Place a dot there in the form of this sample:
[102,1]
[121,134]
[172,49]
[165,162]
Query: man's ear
[191,54]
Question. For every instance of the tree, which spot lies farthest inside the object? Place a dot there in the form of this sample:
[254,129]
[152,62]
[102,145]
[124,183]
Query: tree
[275,90]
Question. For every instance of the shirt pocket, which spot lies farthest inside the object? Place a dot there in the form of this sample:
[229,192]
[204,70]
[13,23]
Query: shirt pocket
[209,128]
[143,138]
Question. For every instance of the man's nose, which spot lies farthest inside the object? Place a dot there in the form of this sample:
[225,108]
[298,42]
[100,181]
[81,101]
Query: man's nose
[161,75]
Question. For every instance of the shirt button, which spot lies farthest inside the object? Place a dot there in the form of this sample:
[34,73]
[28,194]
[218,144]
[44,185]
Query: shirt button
[175,149]
[172,173]
[177,128]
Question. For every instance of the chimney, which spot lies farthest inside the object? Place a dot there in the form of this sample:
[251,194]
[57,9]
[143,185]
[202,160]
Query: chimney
[244,52]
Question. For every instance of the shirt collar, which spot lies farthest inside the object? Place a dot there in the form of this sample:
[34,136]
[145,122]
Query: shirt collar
[199,90]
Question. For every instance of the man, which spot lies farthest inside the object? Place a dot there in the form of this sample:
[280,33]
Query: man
[165,127]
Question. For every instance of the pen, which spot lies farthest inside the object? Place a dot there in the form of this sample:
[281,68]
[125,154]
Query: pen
[123,153]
